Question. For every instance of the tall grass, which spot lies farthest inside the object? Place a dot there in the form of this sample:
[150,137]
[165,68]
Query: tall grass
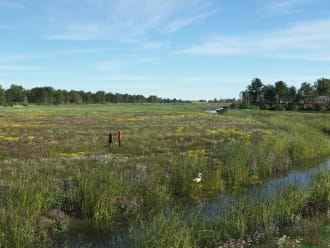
[166,229]
[243,221]
[22,204]
[181,174]
[57,158]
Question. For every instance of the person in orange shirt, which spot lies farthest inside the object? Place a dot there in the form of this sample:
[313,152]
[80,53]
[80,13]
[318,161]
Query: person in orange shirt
[120,137]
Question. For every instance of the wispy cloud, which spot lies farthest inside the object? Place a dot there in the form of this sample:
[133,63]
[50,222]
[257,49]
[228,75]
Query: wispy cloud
[150,60]
[82,32]
[177,24]
[107,19]
[216,45]
[282,7]
[154,44]
[81,51]
[18,58]
[51,54]
[307,40]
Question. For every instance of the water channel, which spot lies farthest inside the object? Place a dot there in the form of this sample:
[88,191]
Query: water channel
[209,208]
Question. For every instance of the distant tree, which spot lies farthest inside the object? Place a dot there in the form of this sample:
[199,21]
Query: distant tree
[153,99]
[99,97]
[47,95]
[59,97]
[245,97]
[255,90]
[110,97]
[281,90]
[74,97]
[322,87]
[306,92]
[2,96]
[87,97]
[140,99]
[35,95]
[292,94]
[41,95]
[15,94]
[269,94]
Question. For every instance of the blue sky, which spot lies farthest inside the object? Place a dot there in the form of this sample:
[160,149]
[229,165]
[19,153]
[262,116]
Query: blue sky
[185,49]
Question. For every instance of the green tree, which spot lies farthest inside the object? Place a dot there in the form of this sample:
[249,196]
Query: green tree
[74,97]
[99,97]
[255,90]
[245,97]
[306,93]
[16,94]
[2,96]
[87,97]
[281,90]
[292,94]
[41,95]
[59,97]
[322,87]
[110,97]
[153,99]
[269,94]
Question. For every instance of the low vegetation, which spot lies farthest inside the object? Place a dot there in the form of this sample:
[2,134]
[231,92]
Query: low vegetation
[59,179]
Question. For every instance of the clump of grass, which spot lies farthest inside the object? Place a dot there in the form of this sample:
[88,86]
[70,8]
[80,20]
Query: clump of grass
[166,229]
[21,206]
[181,175]
[108,191]
[320,187]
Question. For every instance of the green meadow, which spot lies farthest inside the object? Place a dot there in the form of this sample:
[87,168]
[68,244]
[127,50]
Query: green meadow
[62,186]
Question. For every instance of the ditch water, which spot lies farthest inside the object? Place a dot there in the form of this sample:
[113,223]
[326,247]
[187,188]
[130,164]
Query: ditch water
[87,236]
[266,190]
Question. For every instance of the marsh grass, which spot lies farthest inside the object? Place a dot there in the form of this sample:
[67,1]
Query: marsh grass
[181,174]
[166,229]
[242,222]
[22,205]
[58,158]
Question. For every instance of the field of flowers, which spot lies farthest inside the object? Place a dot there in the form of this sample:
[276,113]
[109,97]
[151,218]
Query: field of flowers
[61,185]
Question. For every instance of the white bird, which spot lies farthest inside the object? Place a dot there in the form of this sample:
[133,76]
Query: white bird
[198,179]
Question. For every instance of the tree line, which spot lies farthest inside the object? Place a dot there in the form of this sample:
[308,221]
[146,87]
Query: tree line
[16,94]
[280,96]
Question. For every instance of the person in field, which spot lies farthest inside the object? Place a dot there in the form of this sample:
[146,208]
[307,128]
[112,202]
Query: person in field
[110,141]
[120,137]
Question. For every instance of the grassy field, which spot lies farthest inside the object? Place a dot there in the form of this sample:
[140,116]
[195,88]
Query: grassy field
[58,174]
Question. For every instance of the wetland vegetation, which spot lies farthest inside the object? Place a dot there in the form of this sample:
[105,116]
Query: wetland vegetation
[61,186]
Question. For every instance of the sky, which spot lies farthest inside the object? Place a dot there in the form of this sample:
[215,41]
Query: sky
[184,49]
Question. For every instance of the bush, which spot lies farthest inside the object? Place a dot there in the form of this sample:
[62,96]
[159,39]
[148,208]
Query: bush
[265,106]
[293,106]
[321,107]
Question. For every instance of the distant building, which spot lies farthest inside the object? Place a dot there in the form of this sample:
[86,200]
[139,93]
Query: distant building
[323,99]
